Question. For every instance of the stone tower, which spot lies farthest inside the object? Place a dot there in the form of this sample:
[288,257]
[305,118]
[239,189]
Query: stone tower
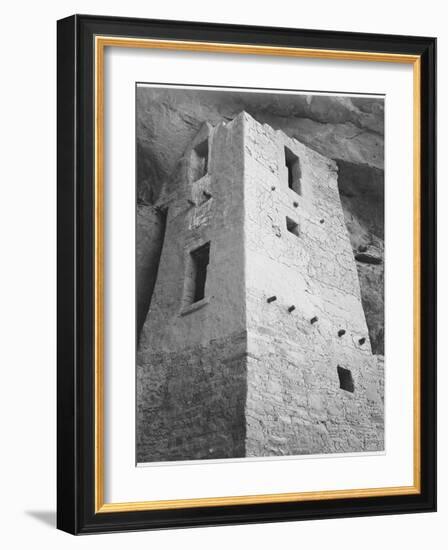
[256,342]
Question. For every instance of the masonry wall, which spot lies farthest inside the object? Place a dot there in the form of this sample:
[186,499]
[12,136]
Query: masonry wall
[235,375]
[294,401]
[191,360]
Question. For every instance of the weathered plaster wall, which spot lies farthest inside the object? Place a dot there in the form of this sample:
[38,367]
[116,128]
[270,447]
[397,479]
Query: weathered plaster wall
[182,344]
[348,130]
[218,221]
[294,402]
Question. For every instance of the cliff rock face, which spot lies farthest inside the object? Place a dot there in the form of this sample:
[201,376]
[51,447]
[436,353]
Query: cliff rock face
[361,190]
[348,130]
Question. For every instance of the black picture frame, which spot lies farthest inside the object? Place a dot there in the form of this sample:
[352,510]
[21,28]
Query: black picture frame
[76,512]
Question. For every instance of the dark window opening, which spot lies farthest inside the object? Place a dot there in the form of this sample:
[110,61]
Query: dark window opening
[292,226]
[199,161]
[346,380]
[199,262]
[292,163]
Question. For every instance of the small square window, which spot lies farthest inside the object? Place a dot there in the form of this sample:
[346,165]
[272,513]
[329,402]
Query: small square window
[346,380]
[292,226]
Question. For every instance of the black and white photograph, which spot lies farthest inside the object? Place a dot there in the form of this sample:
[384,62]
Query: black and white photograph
[259,273]
[221,316]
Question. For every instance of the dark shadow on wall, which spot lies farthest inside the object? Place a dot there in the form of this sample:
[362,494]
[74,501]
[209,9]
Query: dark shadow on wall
[150,233]
[361,189]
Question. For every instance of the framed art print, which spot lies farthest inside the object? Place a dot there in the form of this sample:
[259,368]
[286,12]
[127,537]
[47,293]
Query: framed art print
[246,274]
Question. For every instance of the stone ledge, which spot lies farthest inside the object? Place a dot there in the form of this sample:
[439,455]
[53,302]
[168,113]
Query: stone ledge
[195,306]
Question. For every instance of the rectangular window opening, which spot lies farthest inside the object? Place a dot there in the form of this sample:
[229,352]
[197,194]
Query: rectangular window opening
[198,275]
[292,226]
[346,380]
[199,160]
[292,163]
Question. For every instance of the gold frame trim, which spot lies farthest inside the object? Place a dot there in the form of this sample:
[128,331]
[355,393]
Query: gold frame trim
[101,42]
